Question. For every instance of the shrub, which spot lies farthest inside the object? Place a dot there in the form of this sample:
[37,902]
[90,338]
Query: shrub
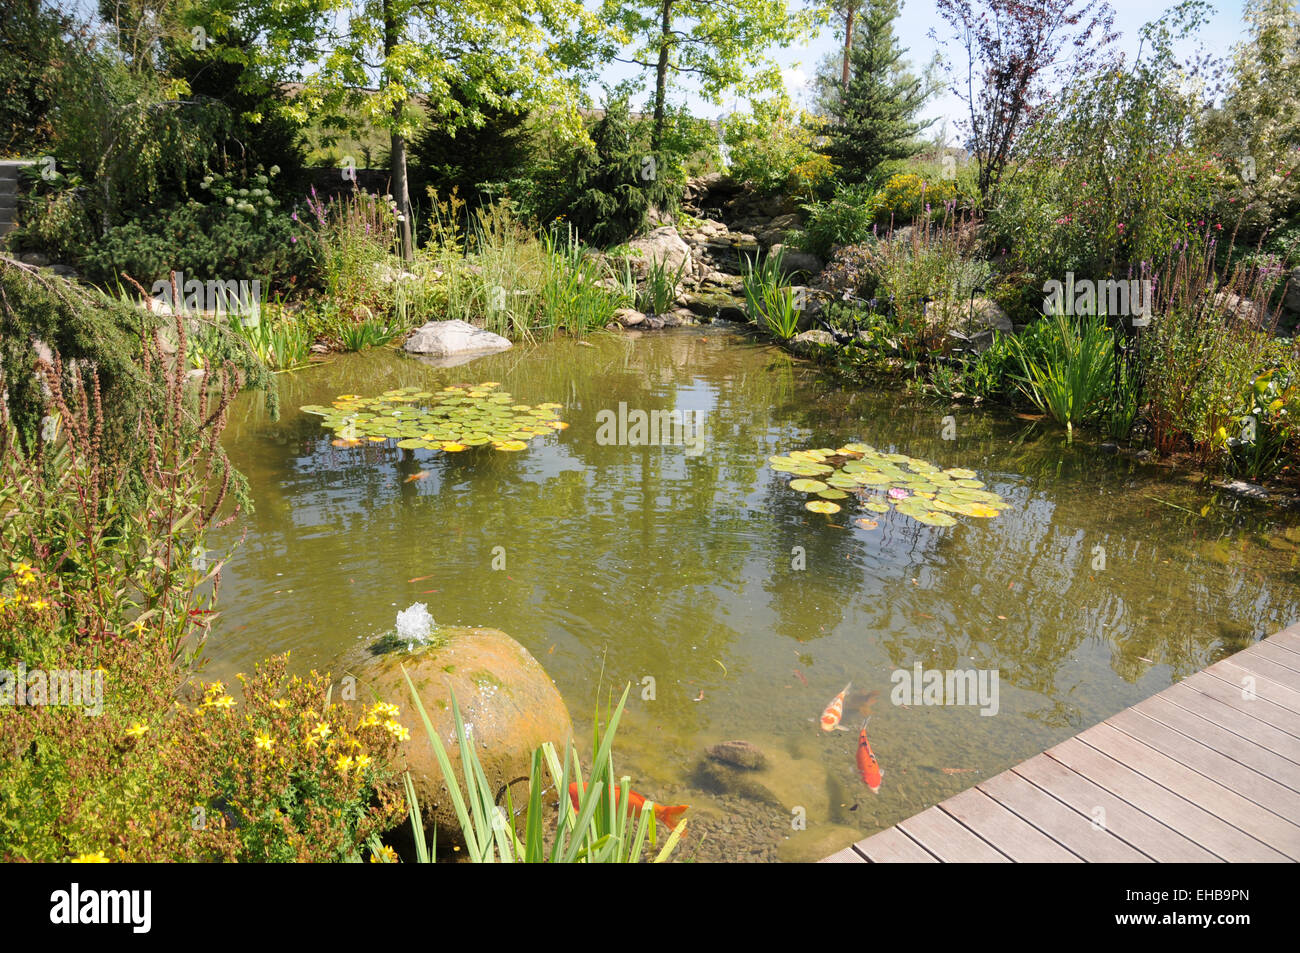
[848,218]
[1067,366]
[774,150]
[906,196]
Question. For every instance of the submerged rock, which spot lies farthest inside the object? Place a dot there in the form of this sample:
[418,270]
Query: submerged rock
[741,754]
[453,338]
[509,705]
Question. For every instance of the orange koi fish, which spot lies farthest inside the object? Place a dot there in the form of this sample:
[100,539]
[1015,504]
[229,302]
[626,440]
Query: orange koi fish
[416,476]
[670,816]
[868,766]
[831,716]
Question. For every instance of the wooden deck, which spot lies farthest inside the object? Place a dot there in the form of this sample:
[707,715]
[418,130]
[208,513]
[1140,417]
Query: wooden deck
[1202,771]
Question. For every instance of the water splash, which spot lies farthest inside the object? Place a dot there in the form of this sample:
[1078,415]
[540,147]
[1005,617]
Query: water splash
[414,625]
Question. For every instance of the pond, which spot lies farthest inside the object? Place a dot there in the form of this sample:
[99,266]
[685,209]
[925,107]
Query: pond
[699,568]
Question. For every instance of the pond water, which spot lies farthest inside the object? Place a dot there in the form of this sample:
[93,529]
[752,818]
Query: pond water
[705,572]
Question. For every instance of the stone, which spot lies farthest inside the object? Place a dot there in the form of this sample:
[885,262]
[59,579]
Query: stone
[807,342]
[710,303]
[35,258]
[740,754]
[506,700]
[653,322]
[453,338]
[969,316]
[660,246]
[774,232]
[1291,302]
[794,261]
[629,317]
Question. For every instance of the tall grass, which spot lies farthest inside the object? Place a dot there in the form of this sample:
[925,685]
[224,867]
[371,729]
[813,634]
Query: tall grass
[595,832]
[1071,375]
[769,301]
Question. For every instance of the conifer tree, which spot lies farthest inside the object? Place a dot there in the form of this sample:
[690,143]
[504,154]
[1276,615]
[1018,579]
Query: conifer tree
[874,119]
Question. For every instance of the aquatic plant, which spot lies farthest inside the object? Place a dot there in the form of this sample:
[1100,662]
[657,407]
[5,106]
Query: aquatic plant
[885,481]
[1072,375]
[595,832]
[659,290]
[770,302]
[451,420]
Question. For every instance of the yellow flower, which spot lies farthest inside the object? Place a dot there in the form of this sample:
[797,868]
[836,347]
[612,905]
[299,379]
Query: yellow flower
[264,742]
[398,731]
[322,730]
[384,708]
[385,855]
[39,604]
[96,858]
[225,701]
[362,760]
[280,704]
[343,765]
[138,626]
[137,730]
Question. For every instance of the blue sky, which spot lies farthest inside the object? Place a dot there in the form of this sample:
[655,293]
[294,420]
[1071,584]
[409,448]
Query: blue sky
[918,17]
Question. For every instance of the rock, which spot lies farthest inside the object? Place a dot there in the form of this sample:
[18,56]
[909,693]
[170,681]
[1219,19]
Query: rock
[38,259]
[1249,490]
[1110,447]
[663,245]
[653,322]
[629,317]
[740,754]
[506,700]
[726,779]
[794,261]
[1292,300]
[454,338]
[1243,309]
[774,232]
[807,342]
[717,305]
[970,316]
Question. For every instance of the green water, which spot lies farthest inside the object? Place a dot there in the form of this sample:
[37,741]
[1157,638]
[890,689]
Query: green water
[624,563]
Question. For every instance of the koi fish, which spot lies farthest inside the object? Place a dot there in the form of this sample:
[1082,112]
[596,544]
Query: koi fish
[416,476]
[799,675]
[831,716]
[663,813]
[868,766]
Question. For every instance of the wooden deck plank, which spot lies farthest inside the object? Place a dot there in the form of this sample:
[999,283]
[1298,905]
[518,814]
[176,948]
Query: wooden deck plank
[1265,686]
[893,846]
[1222,787]
[1164,805]
[846,856]
[1140,830]
[1233,746]
[1258,708]
[948,840]
[1277,654]
[1005,830]
[1265,666]
[1069,827]
[1287,638]
[1234,718]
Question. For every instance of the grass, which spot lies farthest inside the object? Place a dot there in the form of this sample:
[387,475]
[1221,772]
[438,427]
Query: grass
[1071,375]
[769,301]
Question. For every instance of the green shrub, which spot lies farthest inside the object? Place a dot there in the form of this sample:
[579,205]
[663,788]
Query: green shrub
[1067,366]
[847,218]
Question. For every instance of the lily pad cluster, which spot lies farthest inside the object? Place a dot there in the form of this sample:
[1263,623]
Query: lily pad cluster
[452,419]
[887,481]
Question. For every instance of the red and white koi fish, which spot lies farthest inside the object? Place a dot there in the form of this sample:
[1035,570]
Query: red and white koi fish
[868,766]
[831,716]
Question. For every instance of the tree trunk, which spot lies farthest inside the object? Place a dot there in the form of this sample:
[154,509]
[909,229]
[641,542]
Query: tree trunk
[397,150]
[661,76]
[848,43]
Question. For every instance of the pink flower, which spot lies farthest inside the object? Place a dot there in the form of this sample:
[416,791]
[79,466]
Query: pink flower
[897,493]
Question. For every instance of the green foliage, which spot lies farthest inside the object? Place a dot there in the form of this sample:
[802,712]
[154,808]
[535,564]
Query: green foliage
[610,194]
[906,197]
[659,290]
[1067,366]
[238,233]
[774,149]
[873,120]
[769,301]
[31,47]
[597,831]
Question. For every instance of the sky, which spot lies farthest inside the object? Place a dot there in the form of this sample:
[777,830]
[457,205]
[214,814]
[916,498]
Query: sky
[912,27]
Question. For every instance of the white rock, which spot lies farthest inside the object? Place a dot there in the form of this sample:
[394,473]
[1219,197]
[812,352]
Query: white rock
[449,338]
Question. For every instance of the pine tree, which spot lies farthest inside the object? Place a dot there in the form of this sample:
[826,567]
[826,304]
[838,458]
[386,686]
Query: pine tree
[873,120]
[609,198]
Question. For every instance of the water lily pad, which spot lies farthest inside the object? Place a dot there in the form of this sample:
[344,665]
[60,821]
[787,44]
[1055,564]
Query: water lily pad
[510,445]
[807,486]
[822,506]
[832,494]
[876,507]
[935,518]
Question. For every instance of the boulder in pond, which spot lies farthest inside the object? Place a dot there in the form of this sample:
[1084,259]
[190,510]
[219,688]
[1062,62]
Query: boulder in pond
[740,754]
[509,705]
[453,338]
